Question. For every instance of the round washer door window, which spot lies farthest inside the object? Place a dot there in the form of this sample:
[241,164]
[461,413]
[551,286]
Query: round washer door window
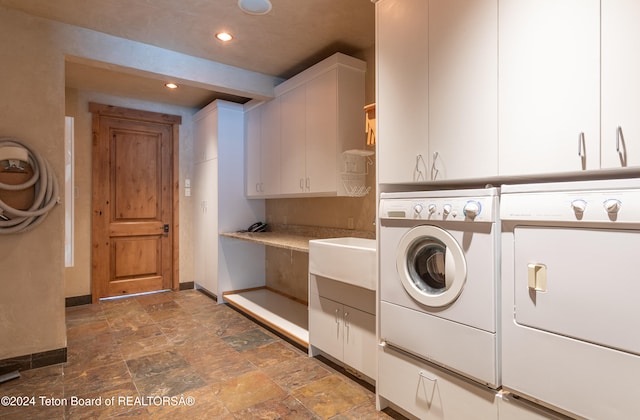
[431,266]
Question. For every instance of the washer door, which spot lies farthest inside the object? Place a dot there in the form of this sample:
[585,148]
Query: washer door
[431,266]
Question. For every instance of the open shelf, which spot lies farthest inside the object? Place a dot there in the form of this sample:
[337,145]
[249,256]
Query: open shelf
[285,315]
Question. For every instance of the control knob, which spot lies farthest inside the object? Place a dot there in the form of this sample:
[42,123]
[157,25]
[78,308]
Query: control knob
[471,209]
[432,208]
[579,206]
[612,205]
[417,208]
[446,209]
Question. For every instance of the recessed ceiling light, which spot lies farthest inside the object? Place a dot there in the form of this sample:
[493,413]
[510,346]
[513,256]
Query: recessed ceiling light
[171,85]
[224,36]
[255,7]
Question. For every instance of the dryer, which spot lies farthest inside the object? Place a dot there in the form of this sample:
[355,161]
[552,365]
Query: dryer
[570,290]
[439,279]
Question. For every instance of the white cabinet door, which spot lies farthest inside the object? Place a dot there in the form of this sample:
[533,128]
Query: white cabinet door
[205,222]
[253,157]
[205,145]
[326,325]
[549,86]
[293,140]
[463,88]
[322,128]
[620,83]
[270,147]
[360,341]
[402,109]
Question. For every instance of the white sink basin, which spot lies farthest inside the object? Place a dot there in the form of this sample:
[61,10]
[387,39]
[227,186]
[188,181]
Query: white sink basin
[349,260]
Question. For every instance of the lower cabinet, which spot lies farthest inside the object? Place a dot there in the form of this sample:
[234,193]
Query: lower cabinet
[419,389]
[511,407]
[343,332]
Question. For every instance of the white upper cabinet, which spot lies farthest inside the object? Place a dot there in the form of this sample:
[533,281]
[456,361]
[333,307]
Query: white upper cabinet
[205,145]
[270,147]
[293,140]
[253,160]
[549,86]
[324,123]
[402,91]
[620,135]
[463,88]
[262,148]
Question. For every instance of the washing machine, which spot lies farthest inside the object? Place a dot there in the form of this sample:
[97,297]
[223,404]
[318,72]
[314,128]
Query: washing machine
[570,296]
[439,285]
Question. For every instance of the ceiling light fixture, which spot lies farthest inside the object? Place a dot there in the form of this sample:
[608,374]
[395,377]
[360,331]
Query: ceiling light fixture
[255,7]
[224,36]
[171,85]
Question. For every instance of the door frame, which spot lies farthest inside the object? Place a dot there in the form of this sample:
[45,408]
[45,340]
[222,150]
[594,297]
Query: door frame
[102,110]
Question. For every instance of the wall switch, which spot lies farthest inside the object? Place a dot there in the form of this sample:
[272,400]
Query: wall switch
[187,192]
[187,183]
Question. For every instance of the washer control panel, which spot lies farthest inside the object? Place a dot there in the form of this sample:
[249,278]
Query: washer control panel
[476,209]
[622,206]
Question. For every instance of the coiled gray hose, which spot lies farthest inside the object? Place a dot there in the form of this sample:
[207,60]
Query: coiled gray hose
[46,193]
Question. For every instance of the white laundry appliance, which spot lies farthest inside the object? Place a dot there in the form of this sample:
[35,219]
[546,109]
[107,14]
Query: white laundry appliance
[571,296]
[439,282]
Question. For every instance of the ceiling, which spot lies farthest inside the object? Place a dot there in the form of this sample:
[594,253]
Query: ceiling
[293,36]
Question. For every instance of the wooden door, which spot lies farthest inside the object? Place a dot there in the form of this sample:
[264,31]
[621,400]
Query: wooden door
[134,221]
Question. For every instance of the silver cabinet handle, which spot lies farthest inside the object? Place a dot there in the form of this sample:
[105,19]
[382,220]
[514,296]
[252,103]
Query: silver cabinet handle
[302,184]
[581,145]
[434,170]
[418,175]
[424,375]
[619,136]
[346,326]
[337,323]
[308,184]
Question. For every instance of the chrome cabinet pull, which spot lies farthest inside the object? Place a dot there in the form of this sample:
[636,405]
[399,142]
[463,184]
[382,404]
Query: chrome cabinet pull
[424,375]
[418,175]
[581,145]
[302,184]
[619,136]
[434,170]
[337,315]
[346,326]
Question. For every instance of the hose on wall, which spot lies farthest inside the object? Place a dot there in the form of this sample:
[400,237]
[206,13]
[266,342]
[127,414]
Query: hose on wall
[13,220]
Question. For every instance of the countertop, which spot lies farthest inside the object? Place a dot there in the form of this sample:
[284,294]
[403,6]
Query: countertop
[276,239]
[295,238]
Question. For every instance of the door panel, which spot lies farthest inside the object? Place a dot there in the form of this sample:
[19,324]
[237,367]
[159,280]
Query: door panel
[133,215]
[138,172]
[360,341]
[549,86]
[326,325]
[591,284]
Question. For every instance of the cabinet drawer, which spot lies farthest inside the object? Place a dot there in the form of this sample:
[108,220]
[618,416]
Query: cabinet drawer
[429,392]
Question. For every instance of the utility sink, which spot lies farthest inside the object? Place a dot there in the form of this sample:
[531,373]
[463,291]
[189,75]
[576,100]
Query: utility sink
[349,260]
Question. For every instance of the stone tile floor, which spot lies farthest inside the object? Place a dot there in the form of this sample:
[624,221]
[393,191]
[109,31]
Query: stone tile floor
[181,355]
